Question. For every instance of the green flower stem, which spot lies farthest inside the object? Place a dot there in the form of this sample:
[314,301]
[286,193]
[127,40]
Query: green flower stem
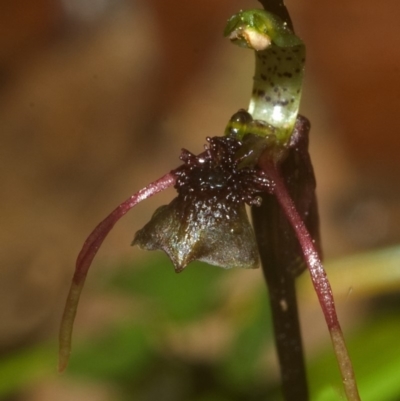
[318,277]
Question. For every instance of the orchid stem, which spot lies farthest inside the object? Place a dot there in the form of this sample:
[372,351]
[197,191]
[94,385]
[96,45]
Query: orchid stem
[318,276]
[283,302]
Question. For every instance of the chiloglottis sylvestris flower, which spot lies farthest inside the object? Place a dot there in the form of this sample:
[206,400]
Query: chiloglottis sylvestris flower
[207,221]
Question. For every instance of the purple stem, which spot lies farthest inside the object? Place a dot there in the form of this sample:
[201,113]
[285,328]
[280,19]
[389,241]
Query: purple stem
[318,276]
[87,254]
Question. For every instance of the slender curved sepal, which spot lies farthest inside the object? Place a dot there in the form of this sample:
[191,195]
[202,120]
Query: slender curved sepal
[87,254]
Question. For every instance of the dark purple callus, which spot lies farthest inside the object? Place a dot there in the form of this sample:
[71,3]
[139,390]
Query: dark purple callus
[207,221]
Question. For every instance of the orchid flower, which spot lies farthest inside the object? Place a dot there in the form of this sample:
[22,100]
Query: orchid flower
[261,160]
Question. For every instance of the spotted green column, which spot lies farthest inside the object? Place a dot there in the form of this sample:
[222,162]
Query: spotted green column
[280,59]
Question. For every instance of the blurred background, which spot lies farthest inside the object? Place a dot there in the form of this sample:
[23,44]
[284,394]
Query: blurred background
[97,97]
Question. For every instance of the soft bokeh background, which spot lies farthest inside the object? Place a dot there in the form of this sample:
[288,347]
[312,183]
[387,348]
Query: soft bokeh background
[97,97]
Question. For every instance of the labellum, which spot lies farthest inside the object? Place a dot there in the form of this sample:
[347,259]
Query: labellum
[207,221]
